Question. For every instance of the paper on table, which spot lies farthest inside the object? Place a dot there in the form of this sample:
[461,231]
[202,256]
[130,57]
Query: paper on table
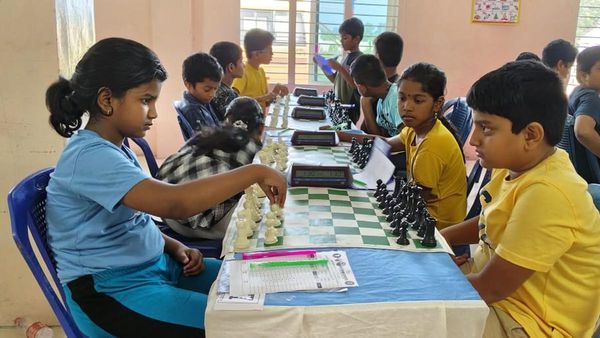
[378,167]
[337,274]
[226,301]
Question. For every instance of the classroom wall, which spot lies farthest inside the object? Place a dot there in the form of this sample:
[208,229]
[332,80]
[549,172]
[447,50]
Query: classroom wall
[32,58]
[437,31]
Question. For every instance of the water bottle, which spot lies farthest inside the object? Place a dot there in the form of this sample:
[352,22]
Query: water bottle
[34,329]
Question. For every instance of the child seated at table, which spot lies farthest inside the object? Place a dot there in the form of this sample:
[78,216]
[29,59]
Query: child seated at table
[258,44]
[538,261]
[229,56]
[214,151]
[120,275]
[372,84]
[202,76]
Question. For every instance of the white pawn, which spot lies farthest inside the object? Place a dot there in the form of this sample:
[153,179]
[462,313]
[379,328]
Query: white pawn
[277,210]
[272,220]
[258,192]
[250,224]
[241,241]
[270,236]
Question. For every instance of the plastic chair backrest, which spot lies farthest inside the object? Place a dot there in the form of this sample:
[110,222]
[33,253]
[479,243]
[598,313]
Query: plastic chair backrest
[186,128]
[584,161]
[148,154]
[461,117]
[27,208]
[567,140]
[475,208]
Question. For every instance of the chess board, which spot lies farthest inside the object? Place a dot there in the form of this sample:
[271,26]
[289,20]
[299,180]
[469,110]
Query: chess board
[322,155]
[326,217]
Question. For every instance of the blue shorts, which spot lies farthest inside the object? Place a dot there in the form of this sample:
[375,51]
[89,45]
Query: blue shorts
[154,299]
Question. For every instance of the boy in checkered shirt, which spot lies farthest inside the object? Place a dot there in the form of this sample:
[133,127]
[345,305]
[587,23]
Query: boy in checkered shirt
[212,151]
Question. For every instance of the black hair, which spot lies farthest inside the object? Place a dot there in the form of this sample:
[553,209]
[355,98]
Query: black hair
[523,92]
[433,81]
[200,66]
[243,118]
[389,46]
[367,70]
[115,63]
[527,56]
[557,50]
[353,27]
[257,39]
[226,53]
[587,59]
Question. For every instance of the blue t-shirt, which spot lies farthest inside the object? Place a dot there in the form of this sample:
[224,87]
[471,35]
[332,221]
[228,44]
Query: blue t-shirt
[89,230]
[388,117]
[585,101]
[198,114]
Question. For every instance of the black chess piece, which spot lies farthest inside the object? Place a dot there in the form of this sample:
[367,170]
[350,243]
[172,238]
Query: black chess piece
[379,189]
[388,204]
[382,196]
[421,217]
[429,239]
[353,146]
[403,239]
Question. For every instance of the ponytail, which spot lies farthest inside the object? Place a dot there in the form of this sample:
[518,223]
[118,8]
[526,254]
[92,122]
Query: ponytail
[228,139]
[65,114]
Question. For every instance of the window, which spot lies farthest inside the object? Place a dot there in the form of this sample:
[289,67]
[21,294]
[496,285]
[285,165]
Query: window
[314,24]
[588,32]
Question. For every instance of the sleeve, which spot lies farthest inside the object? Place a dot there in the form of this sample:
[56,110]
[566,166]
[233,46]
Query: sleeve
[104,174]
[264,81]
[240,84]
[589,104]
[537,233]
[404,136]
[427,168]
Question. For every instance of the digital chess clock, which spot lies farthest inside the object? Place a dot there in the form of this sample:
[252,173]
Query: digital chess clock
[305,91]
[334,176]
[308,113]
[315,138]
[305,100]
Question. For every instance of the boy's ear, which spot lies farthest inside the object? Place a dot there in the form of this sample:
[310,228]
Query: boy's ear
[534,134]
[188,85]
[103,100]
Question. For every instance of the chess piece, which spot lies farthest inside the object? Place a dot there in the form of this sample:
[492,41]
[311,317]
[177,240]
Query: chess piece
[429,239]
[241,240]
[275,208]
[354,146]
[403,239]
[272,220]
[270,235]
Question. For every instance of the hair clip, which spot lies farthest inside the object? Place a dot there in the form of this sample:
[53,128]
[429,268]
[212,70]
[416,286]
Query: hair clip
[240,124]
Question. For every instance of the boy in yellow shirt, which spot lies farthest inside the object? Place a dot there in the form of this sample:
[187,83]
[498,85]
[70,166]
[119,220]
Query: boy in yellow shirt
[538,260]
[258,44]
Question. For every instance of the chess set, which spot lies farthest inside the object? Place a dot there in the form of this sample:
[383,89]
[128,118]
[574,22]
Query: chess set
[338,113]
[327,217]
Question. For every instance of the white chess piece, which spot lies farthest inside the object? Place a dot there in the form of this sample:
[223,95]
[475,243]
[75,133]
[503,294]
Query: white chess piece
[258,192]
[272,220]
[241,241]
[277,210]
[270,235]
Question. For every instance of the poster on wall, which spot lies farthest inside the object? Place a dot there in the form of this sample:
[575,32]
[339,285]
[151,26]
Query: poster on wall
[496,11]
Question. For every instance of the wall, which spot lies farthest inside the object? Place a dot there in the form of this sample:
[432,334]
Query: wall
[440,32]
[32,61]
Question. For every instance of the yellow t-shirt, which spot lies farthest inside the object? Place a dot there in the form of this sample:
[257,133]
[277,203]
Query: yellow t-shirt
[545,220]
[253,83]
[437,163]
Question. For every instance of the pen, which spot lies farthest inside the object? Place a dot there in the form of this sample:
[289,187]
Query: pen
[256,255]
[280,264]
[359,183]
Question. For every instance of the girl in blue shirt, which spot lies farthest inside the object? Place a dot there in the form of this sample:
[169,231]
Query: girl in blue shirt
[121,276]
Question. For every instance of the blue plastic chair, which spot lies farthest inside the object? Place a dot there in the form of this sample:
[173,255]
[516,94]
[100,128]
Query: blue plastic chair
[584,161]
[460,116]
[148,154]
[568,141]
[186,128]
[27,208]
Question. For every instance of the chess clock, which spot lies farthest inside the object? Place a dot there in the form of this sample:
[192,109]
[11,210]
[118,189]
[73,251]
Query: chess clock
[334,176]
[315,138]
[308,113]
[305,91]
[305,100]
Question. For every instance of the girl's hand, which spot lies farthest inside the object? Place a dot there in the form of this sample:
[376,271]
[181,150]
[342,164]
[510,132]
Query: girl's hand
[281,89]
[274,184]
[460,260]
[191,259]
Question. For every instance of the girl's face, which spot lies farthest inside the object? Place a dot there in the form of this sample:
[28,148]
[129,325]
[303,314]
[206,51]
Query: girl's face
[134,112]
[416,107]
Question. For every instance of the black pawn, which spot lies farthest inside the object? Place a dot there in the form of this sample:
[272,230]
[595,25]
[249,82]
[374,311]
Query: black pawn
[353,146]
[429,239]
[382,200]
[403,239]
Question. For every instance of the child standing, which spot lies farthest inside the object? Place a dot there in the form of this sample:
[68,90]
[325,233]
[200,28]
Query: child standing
[121,276]
[560,55]
[434,158]
[351,34]
[210,152]
[202,76]
[259,51]
[229,56]
[372,84]
[584,105]
[538,261]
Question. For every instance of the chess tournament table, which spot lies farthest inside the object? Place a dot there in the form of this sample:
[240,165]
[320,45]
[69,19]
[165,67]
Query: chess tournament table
[400,293]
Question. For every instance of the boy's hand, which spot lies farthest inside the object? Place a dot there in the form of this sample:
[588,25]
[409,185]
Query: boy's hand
[335,65]
[274,184]
[281,90]
[191,260]
[460,260]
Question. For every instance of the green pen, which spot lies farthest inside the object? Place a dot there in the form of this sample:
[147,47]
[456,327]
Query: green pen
[357,182]
[280,264]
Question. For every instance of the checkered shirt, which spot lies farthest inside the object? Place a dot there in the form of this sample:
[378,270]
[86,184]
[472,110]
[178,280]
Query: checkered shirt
[183,166]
